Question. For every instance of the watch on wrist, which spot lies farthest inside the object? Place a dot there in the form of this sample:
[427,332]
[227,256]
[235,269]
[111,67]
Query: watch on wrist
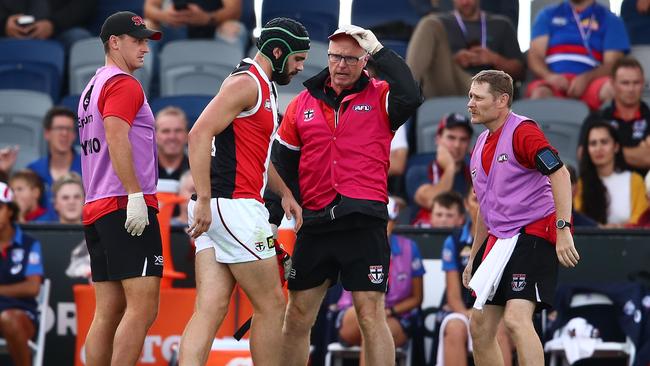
[561,224]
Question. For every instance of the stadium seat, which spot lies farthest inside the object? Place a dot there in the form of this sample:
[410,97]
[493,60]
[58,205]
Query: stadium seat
[321,18]
[37,345]
[337,352]
[248,14]
[428,116]
[597,310]
[31,64]
[71,101]
[87,55]
[560,119]
[375,13]
[192,105]
[108,7]
[21,123]
[196,66]
[396,45]
[315,63]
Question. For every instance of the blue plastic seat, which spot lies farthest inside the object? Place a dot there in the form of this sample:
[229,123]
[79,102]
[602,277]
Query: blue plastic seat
[192,105]
[107,7]
[71,101]
[371,13]
[32,65]
[321,18]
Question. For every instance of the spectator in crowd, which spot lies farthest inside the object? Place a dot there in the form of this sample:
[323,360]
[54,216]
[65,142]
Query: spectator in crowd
[448,170]
[19,286]
[607,192]
[212,19]
[628,114]
[68,194]
[636,16]
[454,341]
[574,46]
[404,295]
[446,50]
[578,219]
[399,149]
[644,220]
[171,140]
[63,20]
[60,132]
[28,189]
[448,210]
[186,189]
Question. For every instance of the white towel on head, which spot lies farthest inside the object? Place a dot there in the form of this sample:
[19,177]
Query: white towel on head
[488,275]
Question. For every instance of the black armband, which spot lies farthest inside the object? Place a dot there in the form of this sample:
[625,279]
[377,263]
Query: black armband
[547,161]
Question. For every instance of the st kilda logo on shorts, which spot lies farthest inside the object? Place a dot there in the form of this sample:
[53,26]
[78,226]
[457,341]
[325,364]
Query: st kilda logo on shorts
[376,274]
[259,246]
[308,115]
[518,281]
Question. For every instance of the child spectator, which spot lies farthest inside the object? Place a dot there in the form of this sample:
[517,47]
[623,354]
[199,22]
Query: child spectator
[448,210]
[68,194]
[28,190]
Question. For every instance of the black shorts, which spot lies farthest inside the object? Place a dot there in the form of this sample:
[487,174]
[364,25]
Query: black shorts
[117,255]
[360,257]
[531,273]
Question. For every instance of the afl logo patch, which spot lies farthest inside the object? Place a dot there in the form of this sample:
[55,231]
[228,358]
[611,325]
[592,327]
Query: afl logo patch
[267,105]
[308,115]
[361,108]
[502,158]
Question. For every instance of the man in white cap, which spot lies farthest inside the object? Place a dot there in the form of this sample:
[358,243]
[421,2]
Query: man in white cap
[21,273]
[335,141]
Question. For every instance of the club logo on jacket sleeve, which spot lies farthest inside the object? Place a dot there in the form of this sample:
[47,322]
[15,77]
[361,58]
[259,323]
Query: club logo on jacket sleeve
[308,115]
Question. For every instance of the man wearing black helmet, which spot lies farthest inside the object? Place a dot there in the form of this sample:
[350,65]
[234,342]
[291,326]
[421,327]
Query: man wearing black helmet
[229,159]
[335,141]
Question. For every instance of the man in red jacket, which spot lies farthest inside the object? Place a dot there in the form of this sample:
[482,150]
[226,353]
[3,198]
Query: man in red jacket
[335,142]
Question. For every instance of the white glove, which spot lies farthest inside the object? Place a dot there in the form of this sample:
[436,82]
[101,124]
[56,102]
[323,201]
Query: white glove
[366,39]
[137,216]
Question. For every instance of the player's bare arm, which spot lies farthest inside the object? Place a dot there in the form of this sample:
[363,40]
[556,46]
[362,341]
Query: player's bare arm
[561,187]
[238,93]
[289,203]
[479,237]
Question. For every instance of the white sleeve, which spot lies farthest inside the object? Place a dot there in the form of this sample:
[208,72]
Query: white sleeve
[399,140]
